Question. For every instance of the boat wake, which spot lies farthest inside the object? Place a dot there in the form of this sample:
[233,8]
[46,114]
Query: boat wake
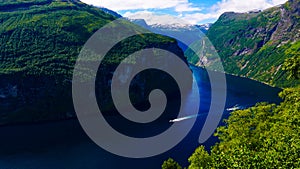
[236,107]
[185,118]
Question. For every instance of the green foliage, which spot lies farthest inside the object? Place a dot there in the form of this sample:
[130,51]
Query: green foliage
[264,136]
[170,164]
[200,159]
[292,65]
[45,38]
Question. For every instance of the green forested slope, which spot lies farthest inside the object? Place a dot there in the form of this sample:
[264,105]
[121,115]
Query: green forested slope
[256,44]
[40,42]
[45,39]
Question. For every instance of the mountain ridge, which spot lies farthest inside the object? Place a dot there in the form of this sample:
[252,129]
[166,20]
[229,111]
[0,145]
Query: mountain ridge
[40,42]
[255,45]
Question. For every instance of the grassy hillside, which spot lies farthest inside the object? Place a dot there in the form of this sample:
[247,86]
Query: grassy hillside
[44,37]
[256,44]
[40,42]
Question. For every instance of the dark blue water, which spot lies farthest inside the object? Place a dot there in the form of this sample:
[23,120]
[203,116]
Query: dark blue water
[64,145]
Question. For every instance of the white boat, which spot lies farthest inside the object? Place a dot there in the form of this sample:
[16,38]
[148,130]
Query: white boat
[236,107]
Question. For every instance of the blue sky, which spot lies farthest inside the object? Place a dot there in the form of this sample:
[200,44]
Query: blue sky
[181,11]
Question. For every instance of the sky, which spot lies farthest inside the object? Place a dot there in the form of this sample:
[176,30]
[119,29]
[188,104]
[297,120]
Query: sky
[181,11]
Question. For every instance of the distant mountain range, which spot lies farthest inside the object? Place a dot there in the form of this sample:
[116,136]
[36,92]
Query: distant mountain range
[172,27]
[190,33]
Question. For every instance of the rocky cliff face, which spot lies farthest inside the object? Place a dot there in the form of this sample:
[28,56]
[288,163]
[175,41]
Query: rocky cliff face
[255,44]
[40,42]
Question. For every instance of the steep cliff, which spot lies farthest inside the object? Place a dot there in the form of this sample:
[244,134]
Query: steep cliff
[40,42]
[256,44]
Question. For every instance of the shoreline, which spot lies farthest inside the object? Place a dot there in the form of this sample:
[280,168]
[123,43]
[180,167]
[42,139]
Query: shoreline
[244,77]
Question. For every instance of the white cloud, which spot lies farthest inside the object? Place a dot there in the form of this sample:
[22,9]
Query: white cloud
[185,10]
[119,5]
[187,7]
[152,18]
[197,18]
[277,2]
[231,6]
[244,6]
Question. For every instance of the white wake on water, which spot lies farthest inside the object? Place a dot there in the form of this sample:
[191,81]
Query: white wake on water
[236,107]
[185,118]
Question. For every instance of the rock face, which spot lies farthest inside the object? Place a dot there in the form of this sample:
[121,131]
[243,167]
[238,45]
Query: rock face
[40,42]
[255,44]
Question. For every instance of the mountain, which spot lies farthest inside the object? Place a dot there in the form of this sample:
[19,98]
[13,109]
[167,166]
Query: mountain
[176,27]
[113,13]
[182,27]
[190,33]
[255,44]
[40,42]
[204,27]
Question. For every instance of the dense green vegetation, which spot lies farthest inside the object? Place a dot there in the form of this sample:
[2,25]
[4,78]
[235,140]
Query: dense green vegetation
[40,42]
[46,39]
[291,65]
[264,136]
[255,45]
[170,164]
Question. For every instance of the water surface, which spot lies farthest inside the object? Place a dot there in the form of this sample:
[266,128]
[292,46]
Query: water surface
[64,145]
